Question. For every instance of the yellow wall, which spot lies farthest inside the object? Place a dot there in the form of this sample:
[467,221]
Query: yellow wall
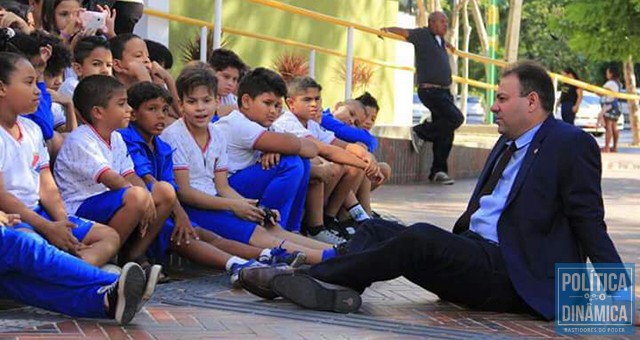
[247,16]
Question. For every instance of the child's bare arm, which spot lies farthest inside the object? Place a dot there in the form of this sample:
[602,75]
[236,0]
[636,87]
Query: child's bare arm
[113,180]
[50,198]
[286,144]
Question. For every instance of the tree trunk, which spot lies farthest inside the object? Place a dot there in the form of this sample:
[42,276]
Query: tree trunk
[454,37]
[513,30]
[466,29]
[630,82]
[421,17]
[483,37]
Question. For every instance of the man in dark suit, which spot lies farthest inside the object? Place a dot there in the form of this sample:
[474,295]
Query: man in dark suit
[537,202]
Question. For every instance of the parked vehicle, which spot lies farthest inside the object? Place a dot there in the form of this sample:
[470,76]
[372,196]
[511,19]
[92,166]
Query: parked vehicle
[587,115]
[475,110]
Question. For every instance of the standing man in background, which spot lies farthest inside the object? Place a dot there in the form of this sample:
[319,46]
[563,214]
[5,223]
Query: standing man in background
[434,80]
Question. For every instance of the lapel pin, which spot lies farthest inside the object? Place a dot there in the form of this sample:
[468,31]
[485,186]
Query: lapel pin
[535,151]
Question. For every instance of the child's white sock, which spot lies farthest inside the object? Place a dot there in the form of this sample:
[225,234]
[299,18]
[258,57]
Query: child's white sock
[358,213]
[234,260]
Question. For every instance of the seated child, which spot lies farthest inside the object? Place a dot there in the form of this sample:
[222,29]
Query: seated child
[371,109]
[344,122]
[27,187]
[91,56]
[280,180]
[38,48]
[200,163]
[153,162]
[304,101]
[64,117]
[229,68]
[96,175]
[34,272]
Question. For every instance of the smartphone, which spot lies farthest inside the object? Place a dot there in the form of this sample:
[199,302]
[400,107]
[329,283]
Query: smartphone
[94,20]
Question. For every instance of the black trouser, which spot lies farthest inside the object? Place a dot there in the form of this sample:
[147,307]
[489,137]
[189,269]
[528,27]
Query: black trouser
[463,268]
[445,119]
[128,15]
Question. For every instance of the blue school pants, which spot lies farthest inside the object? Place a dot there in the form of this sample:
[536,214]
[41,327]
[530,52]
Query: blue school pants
[283,187]
[36,273]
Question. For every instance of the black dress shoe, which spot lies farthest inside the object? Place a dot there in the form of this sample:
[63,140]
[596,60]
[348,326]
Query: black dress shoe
[311,293]
[257,280]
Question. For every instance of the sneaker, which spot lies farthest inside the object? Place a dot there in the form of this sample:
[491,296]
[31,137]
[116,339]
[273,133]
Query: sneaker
[311,293]
[124,296]
[153,274]
[111,268]
[441,177]
[339,228]
[280,255]
[416,141]
[257,281]
[326,236]
[234,271]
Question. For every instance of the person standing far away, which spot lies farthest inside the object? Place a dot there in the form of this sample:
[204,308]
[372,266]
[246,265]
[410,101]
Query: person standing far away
[570,97]
[434,80]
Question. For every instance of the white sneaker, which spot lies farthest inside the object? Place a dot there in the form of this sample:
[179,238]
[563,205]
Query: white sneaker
[111,268]
[327,236]
[416,141]
[441,177]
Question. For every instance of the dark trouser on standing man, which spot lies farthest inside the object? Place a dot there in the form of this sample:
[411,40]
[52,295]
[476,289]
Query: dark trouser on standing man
[445,119]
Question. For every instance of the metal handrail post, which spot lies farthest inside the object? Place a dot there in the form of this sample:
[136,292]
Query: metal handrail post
[217,25]
[204,32]
[348,88]
[312,63]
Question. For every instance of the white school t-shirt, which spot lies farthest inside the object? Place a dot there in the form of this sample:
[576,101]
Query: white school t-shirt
[320,133]
[241,135]
[289,123]
[59,115]
[83,158]
[68,87]
[201,163]
[21,161]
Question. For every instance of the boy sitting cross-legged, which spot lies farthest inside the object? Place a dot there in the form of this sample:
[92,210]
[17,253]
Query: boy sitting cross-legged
[27,186]
[305,102]
[152,158]
[200,169]
[281,177]
[96,174]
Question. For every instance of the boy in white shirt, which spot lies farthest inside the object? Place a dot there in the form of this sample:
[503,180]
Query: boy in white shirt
[281,177]
[228,68]
[200,163]
[27,186]
[305,102]
[91,55]
[96,174]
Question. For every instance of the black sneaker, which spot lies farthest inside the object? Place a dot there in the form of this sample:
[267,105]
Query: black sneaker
[125,295]
[311,293]
[332,224]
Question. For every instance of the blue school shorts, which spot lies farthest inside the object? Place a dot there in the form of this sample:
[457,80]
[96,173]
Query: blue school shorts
[223,223]
[81,230]
[102,207]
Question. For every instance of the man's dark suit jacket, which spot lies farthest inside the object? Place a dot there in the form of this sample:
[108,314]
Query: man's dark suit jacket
[554,212]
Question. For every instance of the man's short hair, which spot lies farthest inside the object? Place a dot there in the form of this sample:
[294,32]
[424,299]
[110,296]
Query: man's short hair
[86,45]
[261,80]
[92,91]
[195,74]
[144,92]
[533,77]
[299,85]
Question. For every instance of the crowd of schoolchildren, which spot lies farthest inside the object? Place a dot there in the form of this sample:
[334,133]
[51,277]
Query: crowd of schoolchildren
[107,163]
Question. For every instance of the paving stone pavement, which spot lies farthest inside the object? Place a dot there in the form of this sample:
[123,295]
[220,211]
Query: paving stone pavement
[201,305]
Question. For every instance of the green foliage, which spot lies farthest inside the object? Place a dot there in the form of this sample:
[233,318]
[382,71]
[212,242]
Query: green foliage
[604,30]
